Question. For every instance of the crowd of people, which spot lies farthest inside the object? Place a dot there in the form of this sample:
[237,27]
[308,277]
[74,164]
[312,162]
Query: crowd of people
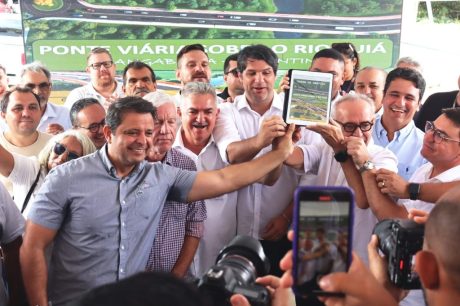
[124,178]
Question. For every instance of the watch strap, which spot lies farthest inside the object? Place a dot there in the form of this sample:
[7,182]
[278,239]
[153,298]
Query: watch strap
[341,156]
[414,191]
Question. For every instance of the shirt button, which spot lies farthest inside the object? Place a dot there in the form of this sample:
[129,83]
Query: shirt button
[122,270]
[123,224]
[123,202]
[122,247]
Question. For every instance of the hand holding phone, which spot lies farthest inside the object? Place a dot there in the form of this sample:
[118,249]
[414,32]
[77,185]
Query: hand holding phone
[323,223]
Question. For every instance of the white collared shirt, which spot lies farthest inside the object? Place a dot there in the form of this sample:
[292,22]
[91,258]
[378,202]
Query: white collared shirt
[422,175]
[319,161]
[54,114]
[257,203]
[220,224]
[88,91]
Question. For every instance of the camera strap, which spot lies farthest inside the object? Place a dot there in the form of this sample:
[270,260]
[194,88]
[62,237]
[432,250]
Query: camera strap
[29,194]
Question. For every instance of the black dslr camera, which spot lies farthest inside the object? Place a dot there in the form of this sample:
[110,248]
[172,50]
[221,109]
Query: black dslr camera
[236,269]
[400,240]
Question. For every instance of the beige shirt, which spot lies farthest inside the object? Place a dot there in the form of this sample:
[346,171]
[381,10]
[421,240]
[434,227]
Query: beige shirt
[32,150]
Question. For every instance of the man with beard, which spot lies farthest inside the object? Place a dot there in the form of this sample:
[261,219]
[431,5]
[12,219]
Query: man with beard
[181,224]
[55,118]
[103,85]
[395,129]
[192,66]
[88,116]
[138,79]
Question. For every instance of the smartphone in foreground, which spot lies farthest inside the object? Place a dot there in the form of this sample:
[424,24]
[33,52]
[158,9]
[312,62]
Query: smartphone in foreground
[323,223]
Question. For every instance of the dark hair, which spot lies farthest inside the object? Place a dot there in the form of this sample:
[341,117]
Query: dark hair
[231,57]
[407,74]
[329,53]
[349,51]
[78,106]
[453,114]
[257,52]
[137,65]
[98,50]
[130,104]
[186,49]
[2,68]
[6,96]
[145,289]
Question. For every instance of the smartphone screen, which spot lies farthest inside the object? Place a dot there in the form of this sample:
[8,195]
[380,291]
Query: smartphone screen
[323,224]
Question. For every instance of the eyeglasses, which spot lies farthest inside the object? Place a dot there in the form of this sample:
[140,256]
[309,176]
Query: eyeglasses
[94,127]
[351,127]
[438,136]
[42,85]
[60,149]
[97,66]
[234,72]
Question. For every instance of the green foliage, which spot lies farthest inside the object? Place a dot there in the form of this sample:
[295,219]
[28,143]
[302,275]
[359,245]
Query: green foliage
[443,11]
[352,7]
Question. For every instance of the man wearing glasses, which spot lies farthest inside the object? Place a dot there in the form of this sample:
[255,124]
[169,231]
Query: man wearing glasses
[234,86]
[103,85]
[395,128]
[88,117]
[346,151]
[55,118]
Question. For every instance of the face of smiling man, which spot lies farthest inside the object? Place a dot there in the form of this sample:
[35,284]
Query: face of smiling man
[400,103]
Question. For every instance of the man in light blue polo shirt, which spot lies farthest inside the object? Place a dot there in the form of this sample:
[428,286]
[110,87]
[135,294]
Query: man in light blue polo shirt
[395,128]
[102,211]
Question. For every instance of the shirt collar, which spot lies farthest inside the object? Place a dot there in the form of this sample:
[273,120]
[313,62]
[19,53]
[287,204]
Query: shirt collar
[179,141]
[400,135]
[241,102]
[110,168]
[50,112]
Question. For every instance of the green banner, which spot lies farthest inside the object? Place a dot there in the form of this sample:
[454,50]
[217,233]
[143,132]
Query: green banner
[161,53]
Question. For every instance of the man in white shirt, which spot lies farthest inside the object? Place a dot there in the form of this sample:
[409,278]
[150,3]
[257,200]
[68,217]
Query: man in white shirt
[103,85]
[347,147]
[245,129]
[55,118]
[199,114]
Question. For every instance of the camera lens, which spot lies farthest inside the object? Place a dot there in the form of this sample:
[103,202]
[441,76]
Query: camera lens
[244,254]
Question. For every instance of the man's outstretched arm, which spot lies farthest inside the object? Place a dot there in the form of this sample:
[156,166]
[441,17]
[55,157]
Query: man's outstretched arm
[209,184]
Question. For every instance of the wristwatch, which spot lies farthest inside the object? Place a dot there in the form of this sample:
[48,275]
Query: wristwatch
[414,191]
[341,156]
[368,165]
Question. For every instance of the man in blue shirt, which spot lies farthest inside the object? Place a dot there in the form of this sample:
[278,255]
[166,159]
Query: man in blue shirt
[101,212]
[395,128]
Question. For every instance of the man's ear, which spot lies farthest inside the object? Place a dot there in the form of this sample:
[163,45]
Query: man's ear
[178,74]
[3,114]
[427,268]
[107,133]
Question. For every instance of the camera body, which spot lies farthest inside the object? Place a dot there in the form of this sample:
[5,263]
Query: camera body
[236,269]
[400,240]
